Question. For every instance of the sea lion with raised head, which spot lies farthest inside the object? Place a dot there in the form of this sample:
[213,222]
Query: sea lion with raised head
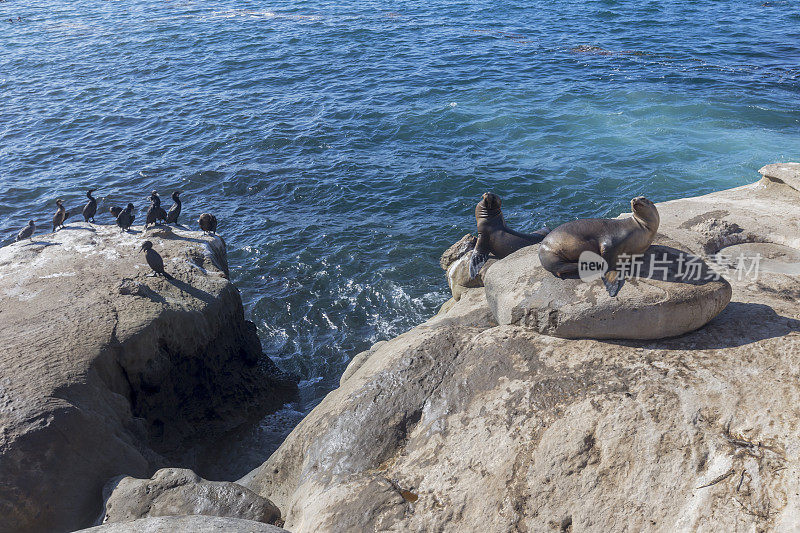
[494,237]
[609,238]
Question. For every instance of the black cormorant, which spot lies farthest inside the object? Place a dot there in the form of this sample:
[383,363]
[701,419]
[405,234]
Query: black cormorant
[90,209]
[208,223]
[154,259]
[175,210]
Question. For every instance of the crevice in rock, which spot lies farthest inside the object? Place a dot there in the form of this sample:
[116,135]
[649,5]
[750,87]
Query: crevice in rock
[187,396]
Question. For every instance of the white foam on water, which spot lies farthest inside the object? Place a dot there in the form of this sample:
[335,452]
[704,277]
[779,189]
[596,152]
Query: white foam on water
[250,13]
[310,381]
[261,14]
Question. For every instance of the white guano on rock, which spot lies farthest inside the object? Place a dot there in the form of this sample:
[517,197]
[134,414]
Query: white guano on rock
[106,370]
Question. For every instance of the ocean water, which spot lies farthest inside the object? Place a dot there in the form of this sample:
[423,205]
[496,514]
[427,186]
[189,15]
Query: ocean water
[343,145]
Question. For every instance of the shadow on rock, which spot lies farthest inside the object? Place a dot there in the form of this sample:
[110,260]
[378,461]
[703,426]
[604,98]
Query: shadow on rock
[665,263]
[738,324]
[165,232]
[192,291]
[134,288]
[84,228]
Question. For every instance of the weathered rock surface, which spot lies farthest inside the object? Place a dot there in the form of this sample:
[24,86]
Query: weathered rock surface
[357,361]
[462,424]
[181,492]
[105,370]
[186,524]
[787,173]
[461,248]
[455,262]
[666,298]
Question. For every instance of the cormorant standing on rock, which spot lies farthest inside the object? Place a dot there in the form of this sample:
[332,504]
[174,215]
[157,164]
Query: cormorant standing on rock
[150,218]
[125,218]
[90,209]
[154,259]
[115,211]
[155,212]
[208,223]
[27,231]
[161,213]
[175,210]
[60,216]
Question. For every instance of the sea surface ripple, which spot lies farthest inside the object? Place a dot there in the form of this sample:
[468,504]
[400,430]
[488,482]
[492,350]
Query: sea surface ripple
[343,145]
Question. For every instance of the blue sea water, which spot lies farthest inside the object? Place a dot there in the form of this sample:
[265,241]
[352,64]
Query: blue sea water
[343,145]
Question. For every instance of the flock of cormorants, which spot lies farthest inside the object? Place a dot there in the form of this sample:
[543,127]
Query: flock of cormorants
[125,217]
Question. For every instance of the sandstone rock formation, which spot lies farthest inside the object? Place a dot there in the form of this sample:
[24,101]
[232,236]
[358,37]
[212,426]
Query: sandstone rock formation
[455,262]
[462,247]
[105,370]
[670,293]
[462,424]
[181,492]
[186,524]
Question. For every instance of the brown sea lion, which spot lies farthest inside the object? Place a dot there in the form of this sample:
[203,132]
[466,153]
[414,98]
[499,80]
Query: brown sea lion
[608,238]
[494,237]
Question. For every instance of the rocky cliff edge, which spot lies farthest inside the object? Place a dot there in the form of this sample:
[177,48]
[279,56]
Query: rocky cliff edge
[106,370]
[462,424]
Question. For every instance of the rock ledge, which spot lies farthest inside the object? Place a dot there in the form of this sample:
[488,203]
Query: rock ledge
[106,370]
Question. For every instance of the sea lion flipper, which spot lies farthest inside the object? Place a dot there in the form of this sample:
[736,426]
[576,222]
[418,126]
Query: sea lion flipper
[613,282]
[476,262]
[479,255]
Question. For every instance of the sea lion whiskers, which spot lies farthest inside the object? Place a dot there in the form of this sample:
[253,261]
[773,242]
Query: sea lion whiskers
[490,204]
[645,213]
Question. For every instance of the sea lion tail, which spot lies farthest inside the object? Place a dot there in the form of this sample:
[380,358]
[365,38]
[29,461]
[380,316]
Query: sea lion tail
[476,263]
[613,282]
